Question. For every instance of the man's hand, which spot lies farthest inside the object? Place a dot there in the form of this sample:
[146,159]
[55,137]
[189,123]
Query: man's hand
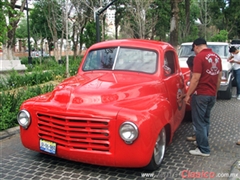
[229,59]
[180,98]
[187,99]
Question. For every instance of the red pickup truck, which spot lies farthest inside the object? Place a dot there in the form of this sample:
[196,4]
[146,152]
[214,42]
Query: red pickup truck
[121,109]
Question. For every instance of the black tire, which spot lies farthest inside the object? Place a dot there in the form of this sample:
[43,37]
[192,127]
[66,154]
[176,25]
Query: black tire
[188,116]
[234,83]
[158,151]
[226,94]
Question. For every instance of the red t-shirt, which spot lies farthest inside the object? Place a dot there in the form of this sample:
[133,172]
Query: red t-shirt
[209,64]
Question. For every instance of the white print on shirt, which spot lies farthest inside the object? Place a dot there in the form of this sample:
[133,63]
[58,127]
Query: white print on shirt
[213,59]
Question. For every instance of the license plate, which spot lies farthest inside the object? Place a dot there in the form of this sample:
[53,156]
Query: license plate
[48,146]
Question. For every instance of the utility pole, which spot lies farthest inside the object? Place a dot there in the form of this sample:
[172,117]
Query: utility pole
[68,44]
[99,12]
[206,13]
[28,31]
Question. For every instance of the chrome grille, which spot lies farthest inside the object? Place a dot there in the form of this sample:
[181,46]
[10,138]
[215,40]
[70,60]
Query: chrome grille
[75,132]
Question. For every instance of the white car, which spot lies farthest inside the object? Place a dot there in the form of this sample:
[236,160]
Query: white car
[236,43]
[222,49]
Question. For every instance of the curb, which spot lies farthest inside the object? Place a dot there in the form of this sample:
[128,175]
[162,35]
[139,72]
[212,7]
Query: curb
[9,132]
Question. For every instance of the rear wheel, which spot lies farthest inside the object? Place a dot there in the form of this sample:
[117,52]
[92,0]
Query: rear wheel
[158,152]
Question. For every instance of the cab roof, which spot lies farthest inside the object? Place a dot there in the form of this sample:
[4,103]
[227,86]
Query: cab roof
[140,43]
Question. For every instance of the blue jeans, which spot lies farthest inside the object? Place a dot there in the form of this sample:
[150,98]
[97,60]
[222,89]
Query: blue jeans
[201,108]
[236,74]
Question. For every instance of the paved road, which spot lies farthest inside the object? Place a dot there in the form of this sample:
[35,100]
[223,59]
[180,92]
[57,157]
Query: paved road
[19,163]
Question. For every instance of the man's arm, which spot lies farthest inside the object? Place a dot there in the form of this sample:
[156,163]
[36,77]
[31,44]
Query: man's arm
[234,61]
[193,84]
[229,58]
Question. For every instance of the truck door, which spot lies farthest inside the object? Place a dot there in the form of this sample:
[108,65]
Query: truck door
[174,82]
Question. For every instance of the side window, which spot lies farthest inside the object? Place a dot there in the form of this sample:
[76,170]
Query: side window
[169,63]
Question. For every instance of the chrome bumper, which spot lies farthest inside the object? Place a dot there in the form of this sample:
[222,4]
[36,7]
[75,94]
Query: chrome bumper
[225,84]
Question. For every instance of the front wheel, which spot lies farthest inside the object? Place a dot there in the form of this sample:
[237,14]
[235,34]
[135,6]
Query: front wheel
[158,152]
[226,94]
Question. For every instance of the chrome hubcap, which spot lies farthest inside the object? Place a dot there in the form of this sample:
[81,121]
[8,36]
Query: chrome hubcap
[160,145]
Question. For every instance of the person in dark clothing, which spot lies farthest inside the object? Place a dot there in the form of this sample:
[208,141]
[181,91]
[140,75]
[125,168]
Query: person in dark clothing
[202,92]
[190,66]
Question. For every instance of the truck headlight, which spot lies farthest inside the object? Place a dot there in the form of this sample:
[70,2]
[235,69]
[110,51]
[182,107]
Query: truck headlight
[23,118]
[128,132]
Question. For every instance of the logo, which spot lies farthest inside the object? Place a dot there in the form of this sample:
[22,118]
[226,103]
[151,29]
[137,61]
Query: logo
[214,60]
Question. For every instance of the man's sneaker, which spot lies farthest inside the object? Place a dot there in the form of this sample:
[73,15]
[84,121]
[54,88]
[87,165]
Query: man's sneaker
[195,143]
[238,143]
[191,138]
[238,97]
[234,95]
[197,152]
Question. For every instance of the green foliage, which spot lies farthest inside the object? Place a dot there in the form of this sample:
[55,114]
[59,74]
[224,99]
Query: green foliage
[163,22]
[120,13]
[21,31]
[193,34]
[89,35]
[226,15]
[189,27]
[73,68]
[3,25]
[16,80]
[7,111]
[39,24]
[13,100]
[16,88]
[10,17]
[48,16]
[222,36]
[40,73]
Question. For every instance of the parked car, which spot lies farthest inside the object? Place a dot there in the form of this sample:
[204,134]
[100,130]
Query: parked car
[36,54]
[222,49]
[121,109]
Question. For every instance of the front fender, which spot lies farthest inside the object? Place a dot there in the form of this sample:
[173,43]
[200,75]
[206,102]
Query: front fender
[149,122]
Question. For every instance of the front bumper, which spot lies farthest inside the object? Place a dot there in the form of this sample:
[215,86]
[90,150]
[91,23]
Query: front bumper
[223,86]
[226,84]
[88,140]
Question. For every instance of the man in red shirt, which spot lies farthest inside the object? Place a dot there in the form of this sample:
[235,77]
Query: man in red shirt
[204,84]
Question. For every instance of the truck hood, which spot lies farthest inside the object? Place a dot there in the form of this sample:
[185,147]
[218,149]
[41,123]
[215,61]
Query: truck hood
[226,66]
[91,90]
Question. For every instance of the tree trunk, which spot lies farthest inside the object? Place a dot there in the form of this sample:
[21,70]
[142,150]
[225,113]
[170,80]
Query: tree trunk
[187,20]
[8,47]
[7,53]
[103,27]
[116,31]
[174,23]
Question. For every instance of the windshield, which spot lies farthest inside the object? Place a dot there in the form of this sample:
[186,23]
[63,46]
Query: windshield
[121,58]
[221,50]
